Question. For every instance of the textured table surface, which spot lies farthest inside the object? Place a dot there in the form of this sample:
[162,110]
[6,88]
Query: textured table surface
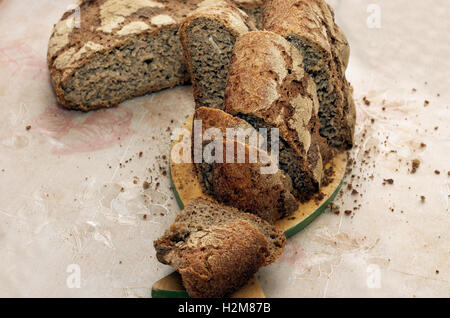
[74,213]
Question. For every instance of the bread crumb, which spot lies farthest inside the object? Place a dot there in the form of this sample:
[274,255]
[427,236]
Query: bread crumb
[422,198]
[145,185]
[366,101]
[415,165]
[426,103]
[28,127]
[437,172]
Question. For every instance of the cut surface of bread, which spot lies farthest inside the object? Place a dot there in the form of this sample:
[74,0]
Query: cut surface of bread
[309,25]
[216,248]
[208,36]
[268,87]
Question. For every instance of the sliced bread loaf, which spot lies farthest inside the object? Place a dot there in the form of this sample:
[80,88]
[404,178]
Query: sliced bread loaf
[268,87]
[208,36]
[309,25]
[216,248]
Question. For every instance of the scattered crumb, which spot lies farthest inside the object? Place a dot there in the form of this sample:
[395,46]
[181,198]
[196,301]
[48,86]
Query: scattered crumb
[28,127]
[334,208]
[437,172]
[415,165]
[348,212]
[422,198]
[354,192]
[426,103]
[423,145]
[366,101]
[388,181]
[145,185]
[144,216]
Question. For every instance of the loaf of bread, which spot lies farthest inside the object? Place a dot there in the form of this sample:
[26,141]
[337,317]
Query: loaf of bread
[216,248]
[268,87]
[208,36]
[117,50]
[309,25]
[246,177]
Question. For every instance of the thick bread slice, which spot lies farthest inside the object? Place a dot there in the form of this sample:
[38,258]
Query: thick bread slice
[217,119]
[250,180]
[208,36]
[219,260]
[310,26]
[202,214]
[268,87]
[259,188]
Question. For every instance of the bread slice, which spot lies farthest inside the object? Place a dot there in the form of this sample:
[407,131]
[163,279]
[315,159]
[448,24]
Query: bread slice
[309,25]
[208,36]
[250,181]
[216,249]
[268,87]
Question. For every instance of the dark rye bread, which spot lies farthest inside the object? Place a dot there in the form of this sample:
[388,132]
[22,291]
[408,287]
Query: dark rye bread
[216,248]
[309,25]
[249,185]
[119,50]
[268,87]
[208,37]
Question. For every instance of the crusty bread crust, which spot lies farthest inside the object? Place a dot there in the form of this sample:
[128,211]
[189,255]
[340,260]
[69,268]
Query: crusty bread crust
[219,260]
[242,184]
[267,81]
[313,21]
